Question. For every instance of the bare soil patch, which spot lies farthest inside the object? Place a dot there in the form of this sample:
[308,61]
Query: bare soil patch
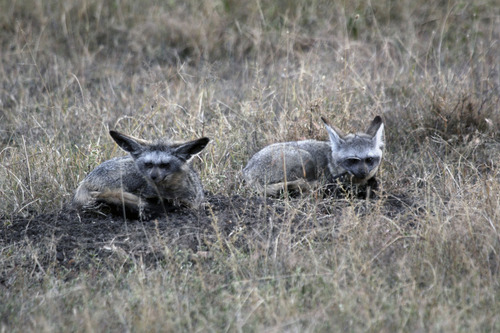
[73,239]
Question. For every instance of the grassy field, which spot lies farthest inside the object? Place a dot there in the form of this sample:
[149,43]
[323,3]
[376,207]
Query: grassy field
[424,256]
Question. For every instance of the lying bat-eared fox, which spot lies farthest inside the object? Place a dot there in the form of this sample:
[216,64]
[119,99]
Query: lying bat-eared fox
[154,177]
[344,162]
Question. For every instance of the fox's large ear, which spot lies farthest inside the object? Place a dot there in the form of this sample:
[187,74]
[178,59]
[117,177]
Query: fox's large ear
[377,132]
[188,149]
[335,128]
[336,136]
[374,126]
[127,143]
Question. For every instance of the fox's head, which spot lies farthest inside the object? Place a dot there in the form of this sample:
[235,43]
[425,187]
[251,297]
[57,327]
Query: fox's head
[358,154]
[159,162]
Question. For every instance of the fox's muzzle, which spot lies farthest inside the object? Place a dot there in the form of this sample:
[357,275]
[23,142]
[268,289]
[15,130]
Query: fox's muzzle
[156,175]
[361,173]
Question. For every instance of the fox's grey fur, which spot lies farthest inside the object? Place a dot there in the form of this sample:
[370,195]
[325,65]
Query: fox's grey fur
[152,176]
[300,165]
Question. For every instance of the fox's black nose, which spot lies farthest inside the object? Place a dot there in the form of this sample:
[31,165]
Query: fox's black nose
[360,175]
[361,172]
[154,175]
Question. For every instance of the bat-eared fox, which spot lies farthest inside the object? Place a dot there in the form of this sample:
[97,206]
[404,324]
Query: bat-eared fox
[155,176]
[337,164]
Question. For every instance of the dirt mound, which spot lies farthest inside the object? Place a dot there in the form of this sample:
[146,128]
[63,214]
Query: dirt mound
[73,239]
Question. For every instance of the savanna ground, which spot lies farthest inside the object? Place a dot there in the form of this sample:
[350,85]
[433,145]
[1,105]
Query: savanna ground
[422,256]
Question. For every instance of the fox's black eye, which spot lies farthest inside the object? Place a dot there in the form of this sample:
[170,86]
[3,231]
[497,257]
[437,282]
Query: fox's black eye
[164,165]
[148,165]
[351,161]
[371,160]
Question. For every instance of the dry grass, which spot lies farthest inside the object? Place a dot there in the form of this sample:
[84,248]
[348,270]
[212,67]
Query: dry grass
[246,76]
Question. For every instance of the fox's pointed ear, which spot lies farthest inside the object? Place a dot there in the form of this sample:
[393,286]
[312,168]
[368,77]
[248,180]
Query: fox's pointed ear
[188,149]
[374,126]
[335,134]
[377,131]
[335,128]
[127,143]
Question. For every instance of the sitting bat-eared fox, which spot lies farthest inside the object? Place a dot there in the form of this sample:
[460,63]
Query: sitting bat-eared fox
[337,164]
[155,176]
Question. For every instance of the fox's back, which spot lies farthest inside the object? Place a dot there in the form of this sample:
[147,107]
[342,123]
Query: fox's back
[118,172]
[292,160]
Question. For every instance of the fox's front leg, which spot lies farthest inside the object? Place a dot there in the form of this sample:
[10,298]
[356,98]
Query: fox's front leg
[118,197]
